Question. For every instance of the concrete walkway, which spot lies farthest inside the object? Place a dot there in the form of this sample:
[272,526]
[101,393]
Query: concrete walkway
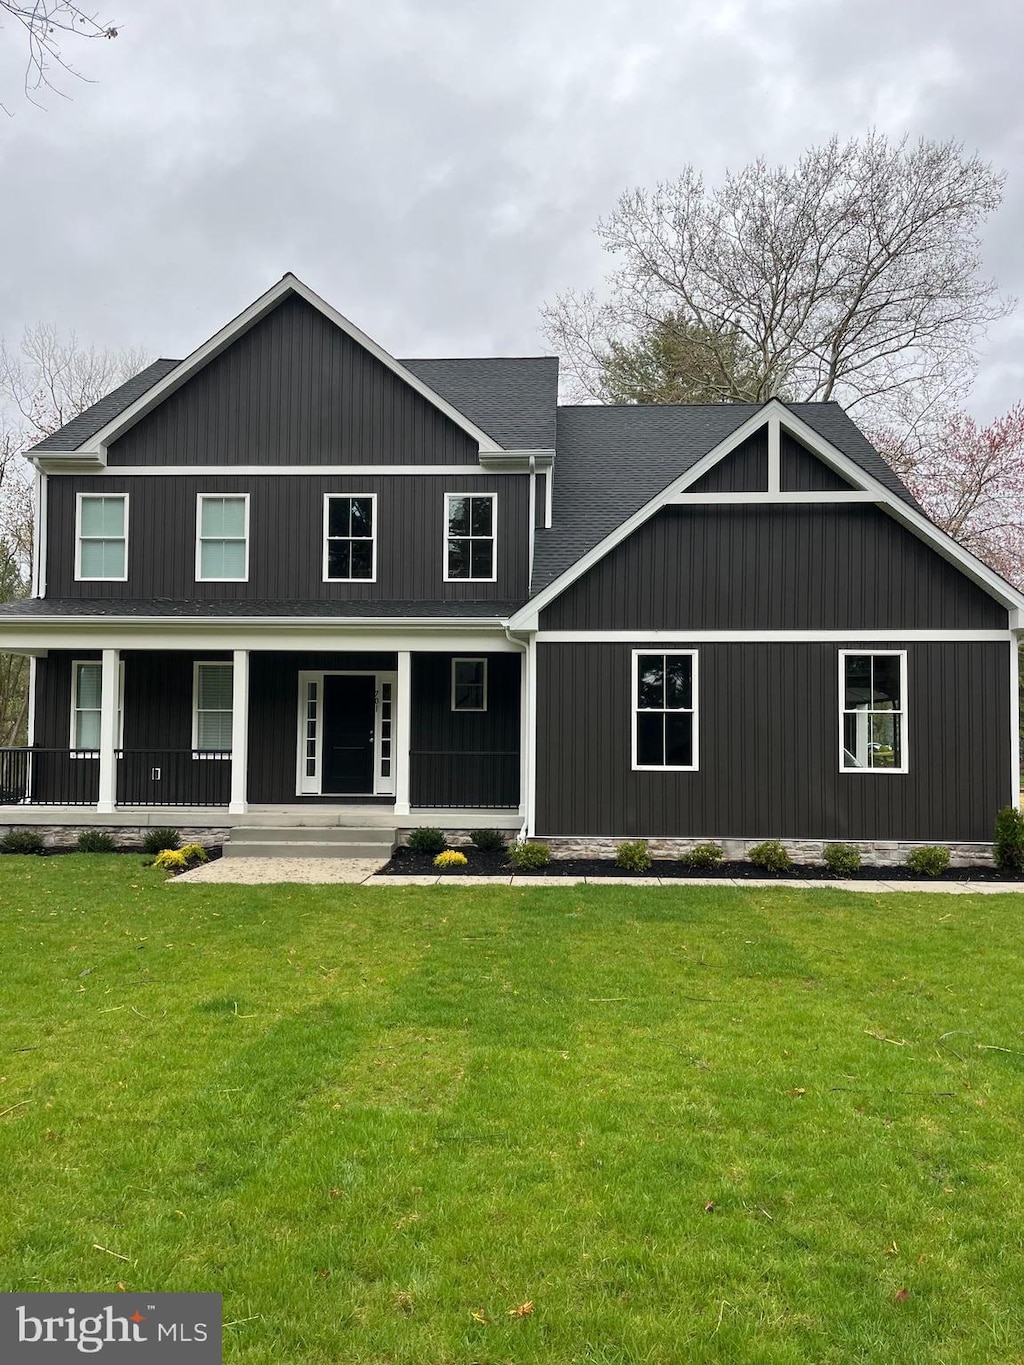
[365,871]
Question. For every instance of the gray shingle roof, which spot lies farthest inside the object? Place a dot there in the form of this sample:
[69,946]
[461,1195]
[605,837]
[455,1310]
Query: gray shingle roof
[94,419]
[513,398]
[236,607]
[611,461]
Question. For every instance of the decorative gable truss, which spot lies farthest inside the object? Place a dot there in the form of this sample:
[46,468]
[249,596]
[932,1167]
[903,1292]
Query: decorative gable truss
[851,483]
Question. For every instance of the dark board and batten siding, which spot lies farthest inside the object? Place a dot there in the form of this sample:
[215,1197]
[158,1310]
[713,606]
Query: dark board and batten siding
[286,537]
[802,472]
[769,747]
[743,470]
[840,566]
[295,389]
[466,758]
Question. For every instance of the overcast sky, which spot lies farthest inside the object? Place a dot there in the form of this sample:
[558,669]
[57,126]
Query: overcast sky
[435,169]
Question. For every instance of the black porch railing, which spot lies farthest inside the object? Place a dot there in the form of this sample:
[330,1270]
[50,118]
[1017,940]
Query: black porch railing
[480,780]
[145,777]
[49,777]
[173,777]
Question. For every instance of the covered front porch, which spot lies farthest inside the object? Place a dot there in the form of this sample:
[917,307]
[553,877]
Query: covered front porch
[189,734]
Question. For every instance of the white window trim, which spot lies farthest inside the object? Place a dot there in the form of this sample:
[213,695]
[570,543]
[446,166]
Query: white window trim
[903,712]
[493,538]
[79,576]
[343,493]
[198,753]
[76,664]
[691,711]
[200,499]
[468,659]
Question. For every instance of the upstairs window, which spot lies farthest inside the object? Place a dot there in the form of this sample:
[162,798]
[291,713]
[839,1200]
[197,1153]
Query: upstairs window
[469,684]
[470,534]
[665,711]
[350,538]
[102,549]
[873,711]
[222,542]
[211,719]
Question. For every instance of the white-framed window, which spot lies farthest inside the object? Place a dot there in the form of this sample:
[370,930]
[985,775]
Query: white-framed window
[101,538]
[222,537]
[873,711]
[212,696]
[87,704]
[350,537]
[470,537]
[469,684]
[665,710]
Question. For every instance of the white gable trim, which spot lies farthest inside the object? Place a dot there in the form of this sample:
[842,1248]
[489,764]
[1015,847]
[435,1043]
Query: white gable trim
[527,617]
[289,284]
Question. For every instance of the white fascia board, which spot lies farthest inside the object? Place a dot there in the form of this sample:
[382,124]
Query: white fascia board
[484,637]
[681,637]
[516,461]
[96,445]
[528,616]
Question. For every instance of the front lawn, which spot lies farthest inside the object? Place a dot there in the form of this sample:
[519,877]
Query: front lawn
[454,1124]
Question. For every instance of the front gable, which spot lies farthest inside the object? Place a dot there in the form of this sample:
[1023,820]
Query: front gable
[294,388]
[842,526]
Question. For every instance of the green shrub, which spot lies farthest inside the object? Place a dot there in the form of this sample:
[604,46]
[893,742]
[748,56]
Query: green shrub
[194,853]
[426,840]
[157,840]
[488,840]
[1008,847]
[771,855]
[22,841]
[634,856]
[931,861]
[94,841]
[451,857]
[526,857]
[842,859]
[703,855]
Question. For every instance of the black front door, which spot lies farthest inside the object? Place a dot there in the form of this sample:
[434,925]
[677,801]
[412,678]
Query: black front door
[348,735]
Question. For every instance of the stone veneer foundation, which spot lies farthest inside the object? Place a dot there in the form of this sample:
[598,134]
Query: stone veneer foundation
[874,853]
[124,836]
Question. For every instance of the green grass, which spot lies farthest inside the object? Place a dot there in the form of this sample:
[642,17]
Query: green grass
[722,1125]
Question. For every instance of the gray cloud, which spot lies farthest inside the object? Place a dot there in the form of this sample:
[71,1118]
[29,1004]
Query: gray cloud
[435,170]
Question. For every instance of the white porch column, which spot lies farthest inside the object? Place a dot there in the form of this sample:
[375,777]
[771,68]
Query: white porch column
[403,731]
[109,696]
[239,732]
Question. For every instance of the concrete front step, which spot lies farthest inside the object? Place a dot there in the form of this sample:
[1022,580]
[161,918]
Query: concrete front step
[319,834]
[305,848]
[300,841]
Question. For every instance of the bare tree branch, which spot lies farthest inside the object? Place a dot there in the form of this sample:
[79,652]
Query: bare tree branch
[47,25]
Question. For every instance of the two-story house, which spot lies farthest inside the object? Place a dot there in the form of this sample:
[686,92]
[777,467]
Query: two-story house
[291,571]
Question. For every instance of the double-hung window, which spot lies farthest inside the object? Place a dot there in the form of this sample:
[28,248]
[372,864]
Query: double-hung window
[211,718]
[350,537]
[87,705]
[222,538]
[469,684]
[470,537]
[665,710]
[101,554]
[873,711]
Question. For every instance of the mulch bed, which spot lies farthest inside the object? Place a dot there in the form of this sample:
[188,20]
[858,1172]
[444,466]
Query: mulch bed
[406,863]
